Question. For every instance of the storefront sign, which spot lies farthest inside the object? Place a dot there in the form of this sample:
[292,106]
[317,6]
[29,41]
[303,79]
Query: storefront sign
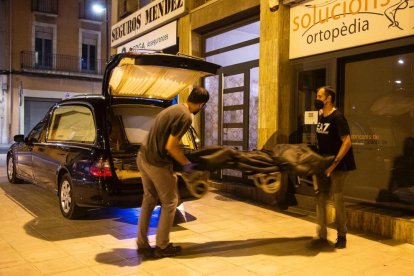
[158,39]
[154,14]
[327,25]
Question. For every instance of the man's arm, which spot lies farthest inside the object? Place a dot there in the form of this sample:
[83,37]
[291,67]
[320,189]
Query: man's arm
[346,145]
[173,148]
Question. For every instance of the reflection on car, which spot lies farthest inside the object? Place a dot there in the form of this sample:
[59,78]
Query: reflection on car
[85,147]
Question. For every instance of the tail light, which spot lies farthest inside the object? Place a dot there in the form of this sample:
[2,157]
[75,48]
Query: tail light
[101,168]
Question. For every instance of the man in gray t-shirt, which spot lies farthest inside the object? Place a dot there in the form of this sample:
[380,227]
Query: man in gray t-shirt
[175,120]
[158,179]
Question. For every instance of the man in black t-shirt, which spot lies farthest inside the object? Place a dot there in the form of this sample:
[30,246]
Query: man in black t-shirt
[334,138]
[155,162]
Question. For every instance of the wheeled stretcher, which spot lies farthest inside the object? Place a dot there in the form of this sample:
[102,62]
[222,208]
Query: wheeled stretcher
[264,166]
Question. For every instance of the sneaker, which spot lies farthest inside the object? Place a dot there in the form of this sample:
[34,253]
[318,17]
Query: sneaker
[340,242]
[147,252]
[169,251]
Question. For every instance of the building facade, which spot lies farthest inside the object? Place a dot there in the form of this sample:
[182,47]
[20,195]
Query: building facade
[274,55]
[50,49]
[230,35]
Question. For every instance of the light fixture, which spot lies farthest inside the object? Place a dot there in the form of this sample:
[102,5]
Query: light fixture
[398,82]
[98,8]
[401,61]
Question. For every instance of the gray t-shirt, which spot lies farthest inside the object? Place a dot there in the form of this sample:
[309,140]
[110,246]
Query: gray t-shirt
[174,120]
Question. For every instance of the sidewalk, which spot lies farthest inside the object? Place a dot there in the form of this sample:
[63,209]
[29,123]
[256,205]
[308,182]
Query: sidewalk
[223,236]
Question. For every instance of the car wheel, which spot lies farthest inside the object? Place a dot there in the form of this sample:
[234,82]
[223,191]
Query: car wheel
[67,202]
[11,171]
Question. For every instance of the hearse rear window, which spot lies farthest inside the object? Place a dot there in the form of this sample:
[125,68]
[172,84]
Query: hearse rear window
[136,120]
[73,124]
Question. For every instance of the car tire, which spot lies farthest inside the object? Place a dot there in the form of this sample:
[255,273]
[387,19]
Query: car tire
[67,202]
[11,171]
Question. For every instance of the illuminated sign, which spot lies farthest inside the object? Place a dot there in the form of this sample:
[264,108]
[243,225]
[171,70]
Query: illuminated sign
[327,25]
[159,39]
[151,16]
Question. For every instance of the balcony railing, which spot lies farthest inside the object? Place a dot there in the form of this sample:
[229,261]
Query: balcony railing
[60,63]
[46,6]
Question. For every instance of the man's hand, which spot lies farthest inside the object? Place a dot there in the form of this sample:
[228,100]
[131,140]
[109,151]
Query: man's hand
[329,170]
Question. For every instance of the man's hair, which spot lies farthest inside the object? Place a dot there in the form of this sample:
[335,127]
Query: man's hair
[198,95]
[329,91]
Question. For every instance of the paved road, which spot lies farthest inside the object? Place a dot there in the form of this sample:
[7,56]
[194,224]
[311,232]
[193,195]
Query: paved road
[222,236]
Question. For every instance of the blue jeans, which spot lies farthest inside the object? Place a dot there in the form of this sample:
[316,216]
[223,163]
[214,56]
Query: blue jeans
[334,185]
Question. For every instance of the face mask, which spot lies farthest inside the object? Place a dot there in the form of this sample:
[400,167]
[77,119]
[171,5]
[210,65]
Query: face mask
[318,104]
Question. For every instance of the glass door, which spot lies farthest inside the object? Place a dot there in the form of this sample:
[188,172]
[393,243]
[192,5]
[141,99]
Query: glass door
[308,83]
[231,121]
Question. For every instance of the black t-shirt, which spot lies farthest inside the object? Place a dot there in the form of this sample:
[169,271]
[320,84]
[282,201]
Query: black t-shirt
[329,131]
[174,120]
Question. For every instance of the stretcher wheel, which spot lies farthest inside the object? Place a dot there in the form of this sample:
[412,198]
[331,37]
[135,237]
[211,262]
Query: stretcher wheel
[269,183]
[197,183]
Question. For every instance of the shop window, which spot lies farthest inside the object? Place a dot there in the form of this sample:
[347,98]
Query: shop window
[379,106]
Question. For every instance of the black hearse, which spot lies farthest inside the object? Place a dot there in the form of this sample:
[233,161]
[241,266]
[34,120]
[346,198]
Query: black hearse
[85,147]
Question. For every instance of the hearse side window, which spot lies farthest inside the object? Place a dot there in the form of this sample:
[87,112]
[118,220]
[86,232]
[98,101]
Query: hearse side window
[35,132]
[73,124]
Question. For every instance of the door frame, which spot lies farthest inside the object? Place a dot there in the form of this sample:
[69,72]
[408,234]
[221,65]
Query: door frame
[229,71]
[241,68]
